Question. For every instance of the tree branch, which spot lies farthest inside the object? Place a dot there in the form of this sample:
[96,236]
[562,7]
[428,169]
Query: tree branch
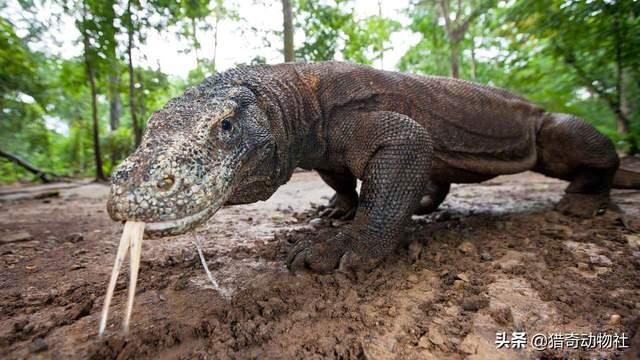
[45,176]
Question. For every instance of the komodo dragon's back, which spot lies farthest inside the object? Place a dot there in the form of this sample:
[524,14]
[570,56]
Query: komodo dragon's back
[475,128]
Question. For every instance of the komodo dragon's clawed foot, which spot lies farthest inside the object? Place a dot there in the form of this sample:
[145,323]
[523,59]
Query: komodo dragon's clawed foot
[322,257]
[583,205]
[326,256]
[340,207]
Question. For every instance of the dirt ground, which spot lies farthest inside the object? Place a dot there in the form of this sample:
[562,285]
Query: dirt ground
[495,258]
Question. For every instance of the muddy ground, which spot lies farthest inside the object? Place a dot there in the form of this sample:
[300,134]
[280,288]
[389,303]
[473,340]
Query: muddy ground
[496,257]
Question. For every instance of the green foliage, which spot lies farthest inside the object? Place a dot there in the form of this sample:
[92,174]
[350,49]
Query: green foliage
[564,55]
[18,64]
[22,126]
[431,54]
[332,28]
[598,42]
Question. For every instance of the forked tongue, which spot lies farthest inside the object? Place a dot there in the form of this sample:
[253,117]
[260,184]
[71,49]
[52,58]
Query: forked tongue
[131,241]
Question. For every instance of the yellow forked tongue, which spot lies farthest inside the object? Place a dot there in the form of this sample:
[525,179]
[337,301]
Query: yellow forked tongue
[131,240]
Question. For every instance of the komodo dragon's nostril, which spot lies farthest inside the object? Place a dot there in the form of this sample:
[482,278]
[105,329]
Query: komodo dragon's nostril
[166,183]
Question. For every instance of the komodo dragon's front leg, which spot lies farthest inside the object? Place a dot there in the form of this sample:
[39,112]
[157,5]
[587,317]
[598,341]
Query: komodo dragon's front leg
[391,154]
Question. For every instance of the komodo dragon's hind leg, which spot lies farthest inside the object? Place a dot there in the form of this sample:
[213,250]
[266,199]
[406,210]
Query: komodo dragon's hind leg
[573,150]
[344,202]
[391,153]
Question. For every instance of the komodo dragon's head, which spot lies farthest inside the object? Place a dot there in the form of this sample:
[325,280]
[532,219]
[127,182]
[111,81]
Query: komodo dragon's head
[208,147]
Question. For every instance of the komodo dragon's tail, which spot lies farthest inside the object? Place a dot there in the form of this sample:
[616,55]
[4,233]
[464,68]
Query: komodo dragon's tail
[628,175]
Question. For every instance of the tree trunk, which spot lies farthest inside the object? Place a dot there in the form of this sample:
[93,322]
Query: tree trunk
[114,109]
[143,108]
[137,131]
[288,31]
[623,109]
[474,69]
[215,41]
[114,101]
[96,129]
[94,104]
[381,45]
[454,60]
[196,44]
[622,122]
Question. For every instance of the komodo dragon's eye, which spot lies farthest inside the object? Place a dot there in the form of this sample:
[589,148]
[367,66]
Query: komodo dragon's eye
[226,125]
[166,183]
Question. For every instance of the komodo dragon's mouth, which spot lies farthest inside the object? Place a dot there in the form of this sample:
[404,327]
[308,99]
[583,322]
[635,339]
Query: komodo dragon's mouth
[179,226]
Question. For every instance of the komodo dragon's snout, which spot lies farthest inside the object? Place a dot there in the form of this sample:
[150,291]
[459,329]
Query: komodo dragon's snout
[194,153]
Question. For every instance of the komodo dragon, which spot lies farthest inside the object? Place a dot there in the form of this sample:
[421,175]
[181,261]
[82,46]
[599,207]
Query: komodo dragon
[238,136]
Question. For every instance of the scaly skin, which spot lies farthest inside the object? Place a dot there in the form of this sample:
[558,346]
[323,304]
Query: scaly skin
[239,135]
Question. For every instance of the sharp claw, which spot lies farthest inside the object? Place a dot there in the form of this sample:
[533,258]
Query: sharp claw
[326,212]
[336,213]
[343,265]
[349,215]
[294,254]
[299,261]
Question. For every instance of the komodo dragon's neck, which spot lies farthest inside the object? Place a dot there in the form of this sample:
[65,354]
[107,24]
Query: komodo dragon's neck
[286,93]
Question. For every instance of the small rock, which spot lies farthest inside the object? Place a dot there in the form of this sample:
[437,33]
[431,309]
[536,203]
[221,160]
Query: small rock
[337,223]
[458,284]
[16,237]
[28,328]
[553,217]
[470,344]
[435,336]
[615,319]
[424,342]
[315,222]
[413,279]
[462,276]
[20,324]
[583,266]
[601,260]
[38,345]
[79,252]
[475,303]
[392,311]
[502,315]
[633,240]
[415,249]
[557,231]
[467,248]
[77,267]
[74,237]
[485,256]
[81,310]
[448,279]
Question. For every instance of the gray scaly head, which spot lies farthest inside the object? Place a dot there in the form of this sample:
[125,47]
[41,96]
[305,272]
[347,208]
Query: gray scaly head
[203,148]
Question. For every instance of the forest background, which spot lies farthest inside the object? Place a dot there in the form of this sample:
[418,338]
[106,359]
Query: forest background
[80,78]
